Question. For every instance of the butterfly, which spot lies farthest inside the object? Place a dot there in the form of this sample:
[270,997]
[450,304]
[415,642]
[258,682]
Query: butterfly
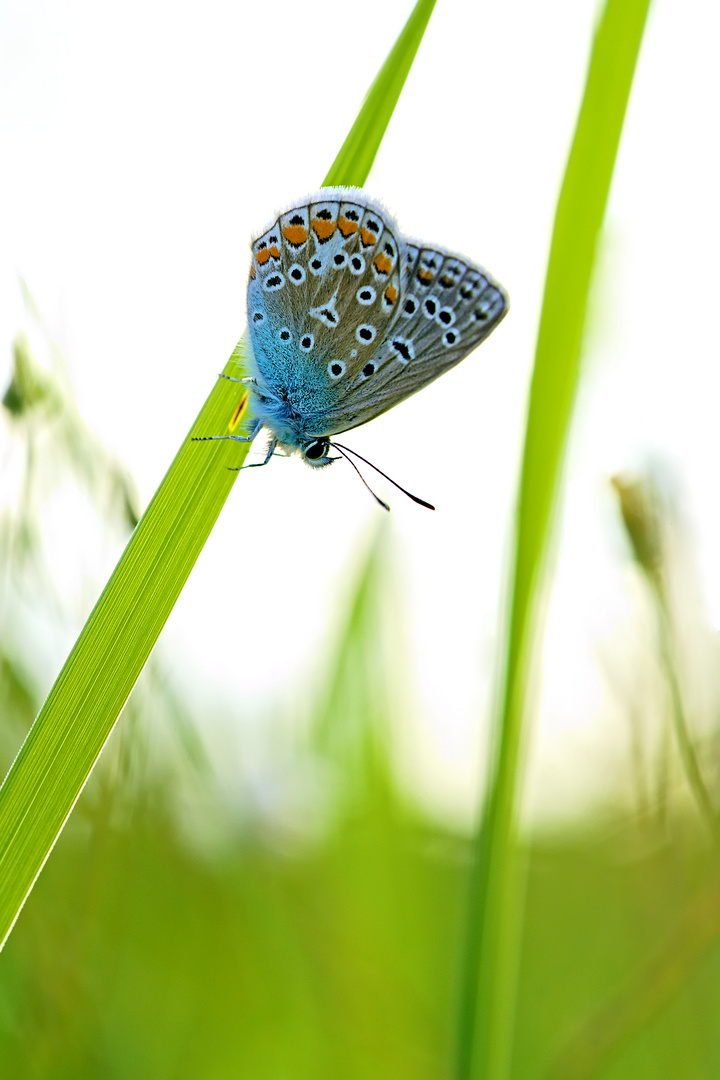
[347,317]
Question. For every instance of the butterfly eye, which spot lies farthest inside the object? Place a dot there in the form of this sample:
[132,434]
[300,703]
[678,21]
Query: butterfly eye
[307,342]
[296,274]
[366,295]
[336,368]
[316,449]
[284,334]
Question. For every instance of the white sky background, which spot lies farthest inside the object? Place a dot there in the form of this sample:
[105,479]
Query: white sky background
[143,144]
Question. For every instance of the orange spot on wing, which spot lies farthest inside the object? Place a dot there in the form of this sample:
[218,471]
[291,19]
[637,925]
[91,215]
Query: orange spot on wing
[323,229]
[237,415]
[425,275]
[367,237]
[253,271]
[274,252]
[262,256]
[347,227]
[391,294]
[295,234]
[382,264]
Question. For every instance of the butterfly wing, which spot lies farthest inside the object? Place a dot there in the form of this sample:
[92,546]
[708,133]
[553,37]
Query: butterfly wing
[347,318]
[323,292]
[447,307]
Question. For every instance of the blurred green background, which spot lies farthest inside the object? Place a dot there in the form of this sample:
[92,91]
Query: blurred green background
[310,921]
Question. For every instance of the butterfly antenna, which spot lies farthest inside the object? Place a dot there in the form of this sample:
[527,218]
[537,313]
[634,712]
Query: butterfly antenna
[345,450]
[375,497]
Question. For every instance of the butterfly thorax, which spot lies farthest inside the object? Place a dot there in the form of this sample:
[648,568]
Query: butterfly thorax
[290,412]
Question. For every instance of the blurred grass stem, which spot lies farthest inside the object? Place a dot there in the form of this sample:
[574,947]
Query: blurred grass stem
[644,514]
[491,955]
[686,745]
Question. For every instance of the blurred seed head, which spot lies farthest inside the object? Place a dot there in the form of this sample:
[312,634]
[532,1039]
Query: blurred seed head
[40,405]
[642,513]
[30,387]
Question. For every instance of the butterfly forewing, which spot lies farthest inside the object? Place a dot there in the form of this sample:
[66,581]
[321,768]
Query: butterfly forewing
[324,287]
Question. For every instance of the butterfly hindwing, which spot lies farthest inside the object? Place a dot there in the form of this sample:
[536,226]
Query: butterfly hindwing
[446,308]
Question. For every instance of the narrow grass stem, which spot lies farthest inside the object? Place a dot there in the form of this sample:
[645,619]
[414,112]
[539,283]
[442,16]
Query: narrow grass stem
[356,155]
[492,946]
[686,746]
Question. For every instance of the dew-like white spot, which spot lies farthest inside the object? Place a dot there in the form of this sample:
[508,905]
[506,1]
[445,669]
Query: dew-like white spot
[403,349]
[315,266]
[445,317]
[365,333]
[326,313]
[336,369]
[431,306]
[356,265]
[489,304]
[306,342]
[366,295]
[471,287]
[296,273]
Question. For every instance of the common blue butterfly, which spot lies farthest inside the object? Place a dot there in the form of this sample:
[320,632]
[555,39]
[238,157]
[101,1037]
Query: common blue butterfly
[347,317]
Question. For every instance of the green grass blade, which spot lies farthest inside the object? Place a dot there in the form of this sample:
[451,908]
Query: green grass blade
[63,744]
[487,1006]
[357,153]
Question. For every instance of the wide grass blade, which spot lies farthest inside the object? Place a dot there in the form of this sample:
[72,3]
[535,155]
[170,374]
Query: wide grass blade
[487,1007]
[357,153]
[64,742]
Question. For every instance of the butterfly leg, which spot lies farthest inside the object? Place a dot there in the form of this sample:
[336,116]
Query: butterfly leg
[248,381]
[234,438]
[259,464]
